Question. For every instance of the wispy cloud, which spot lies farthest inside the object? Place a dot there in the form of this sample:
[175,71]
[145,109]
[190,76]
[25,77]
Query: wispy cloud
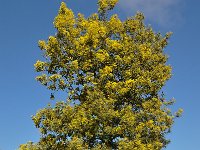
[163,12]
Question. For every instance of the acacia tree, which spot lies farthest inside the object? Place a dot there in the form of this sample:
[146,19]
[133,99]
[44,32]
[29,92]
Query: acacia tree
[113,72]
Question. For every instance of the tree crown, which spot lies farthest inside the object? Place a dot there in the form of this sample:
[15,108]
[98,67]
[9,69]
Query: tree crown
[113,71]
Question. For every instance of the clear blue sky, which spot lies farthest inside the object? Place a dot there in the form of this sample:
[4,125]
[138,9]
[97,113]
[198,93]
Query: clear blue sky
[24,22]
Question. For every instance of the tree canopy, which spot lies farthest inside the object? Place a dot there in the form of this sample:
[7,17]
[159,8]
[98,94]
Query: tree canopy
[113,72]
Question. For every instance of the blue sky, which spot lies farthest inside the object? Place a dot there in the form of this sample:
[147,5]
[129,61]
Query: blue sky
[24,22]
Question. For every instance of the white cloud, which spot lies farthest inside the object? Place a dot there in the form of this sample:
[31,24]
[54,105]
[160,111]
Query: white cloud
[163,12]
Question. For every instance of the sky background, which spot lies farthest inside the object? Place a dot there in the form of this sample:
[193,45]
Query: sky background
[24,22]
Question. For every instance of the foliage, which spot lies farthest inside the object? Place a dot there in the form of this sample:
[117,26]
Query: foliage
[113,72]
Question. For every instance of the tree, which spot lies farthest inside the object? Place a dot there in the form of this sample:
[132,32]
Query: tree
[113,72]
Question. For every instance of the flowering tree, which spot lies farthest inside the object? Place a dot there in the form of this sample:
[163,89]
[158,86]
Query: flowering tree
[113,72]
